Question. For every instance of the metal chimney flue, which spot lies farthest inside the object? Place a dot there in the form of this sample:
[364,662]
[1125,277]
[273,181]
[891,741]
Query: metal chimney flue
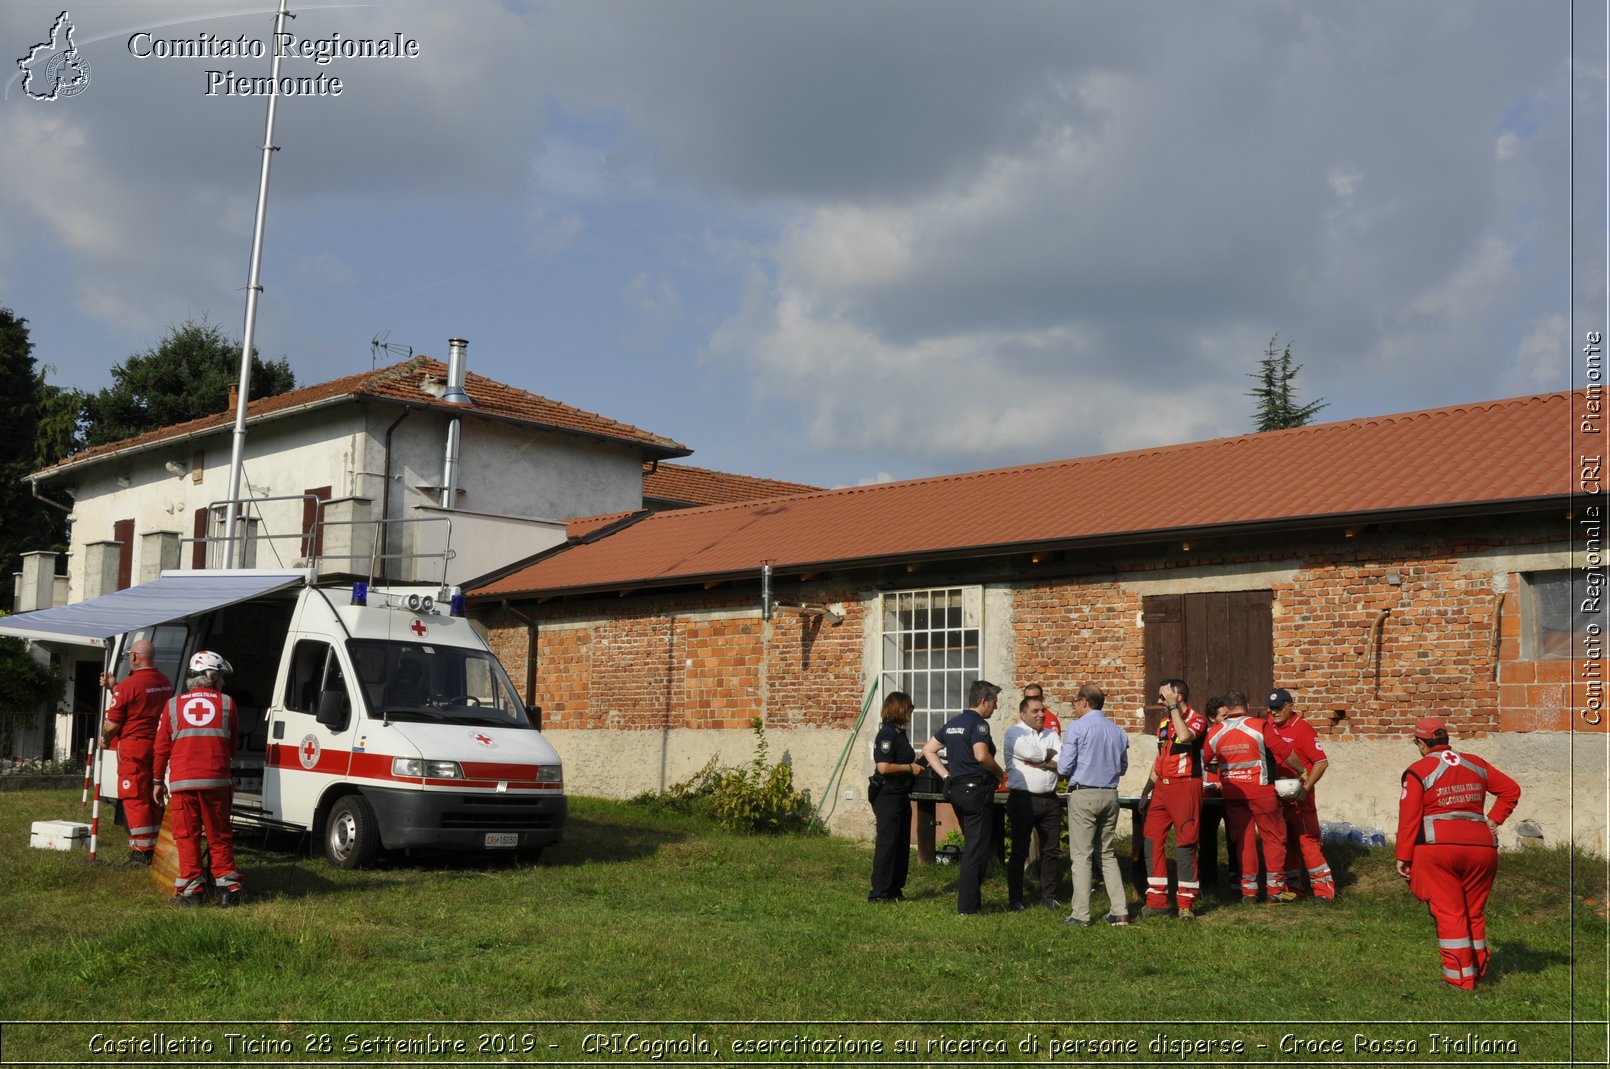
[456,358]
[455,395]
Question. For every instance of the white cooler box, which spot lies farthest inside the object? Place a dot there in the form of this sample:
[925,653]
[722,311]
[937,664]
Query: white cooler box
[59,835]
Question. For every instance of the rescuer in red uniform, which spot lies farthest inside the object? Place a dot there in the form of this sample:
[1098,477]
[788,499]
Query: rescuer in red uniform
[131,719]
[1173,798]
[195,741]
[1246,760]
[1302,815]
[1448,850]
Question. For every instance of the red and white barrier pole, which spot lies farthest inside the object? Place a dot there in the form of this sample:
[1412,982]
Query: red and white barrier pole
[89,770]
[95,759]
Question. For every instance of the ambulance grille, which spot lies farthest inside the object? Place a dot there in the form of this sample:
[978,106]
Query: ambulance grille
[500,813]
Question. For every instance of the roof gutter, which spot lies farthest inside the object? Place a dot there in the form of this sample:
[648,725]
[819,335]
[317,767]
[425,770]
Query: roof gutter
[69,466]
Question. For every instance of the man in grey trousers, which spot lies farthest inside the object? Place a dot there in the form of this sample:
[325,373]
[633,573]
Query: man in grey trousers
[1095,753]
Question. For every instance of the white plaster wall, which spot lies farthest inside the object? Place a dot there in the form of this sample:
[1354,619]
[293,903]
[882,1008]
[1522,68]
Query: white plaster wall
[510,470]
[284,457]
[506,470]
[484,543]
[1562,777]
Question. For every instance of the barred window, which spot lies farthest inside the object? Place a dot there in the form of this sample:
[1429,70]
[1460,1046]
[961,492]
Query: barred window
[1557,620]
[932,651]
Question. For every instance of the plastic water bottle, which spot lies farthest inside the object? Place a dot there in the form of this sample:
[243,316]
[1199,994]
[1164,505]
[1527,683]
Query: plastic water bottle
[1366,837]
[1335,831]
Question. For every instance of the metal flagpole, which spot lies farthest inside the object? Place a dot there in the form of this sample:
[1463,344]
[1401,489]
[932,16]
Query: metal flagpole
[237,456]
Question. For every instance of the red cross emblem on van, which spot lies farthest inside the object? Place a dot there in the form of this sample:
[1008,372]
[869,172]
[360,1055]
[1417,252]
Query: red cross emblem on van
[417,628]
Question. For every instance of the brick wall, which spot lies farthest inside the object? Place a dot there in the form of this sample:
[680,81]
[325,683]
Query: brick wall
[682,661]
[659,662]
[1070,632]
[1358,672]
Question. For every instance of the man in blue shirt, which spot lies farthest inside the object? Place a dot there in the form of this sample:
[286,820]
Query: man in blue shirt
[970,773]
[1095,753]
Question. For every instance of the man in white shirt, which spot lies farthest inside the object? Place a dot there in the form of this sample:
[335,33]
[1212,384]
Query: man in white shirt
[1031,802]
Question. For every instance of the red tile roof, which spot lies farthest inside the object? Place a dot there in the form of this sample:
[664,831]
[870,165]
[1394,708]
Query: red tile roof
[701,486]
[409,382]
[1467,456]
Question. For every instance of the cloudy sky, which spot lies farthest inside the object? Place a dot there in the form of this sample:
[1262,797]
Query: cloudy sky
[840,240]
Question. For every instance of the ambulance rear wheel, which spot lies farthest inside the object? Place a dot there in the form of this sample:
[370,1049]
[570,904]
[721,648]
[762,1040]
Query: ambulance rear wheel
[351,837]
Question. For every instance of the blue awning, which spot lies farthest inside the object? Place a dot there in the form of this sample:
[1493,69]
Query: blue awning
[172,597]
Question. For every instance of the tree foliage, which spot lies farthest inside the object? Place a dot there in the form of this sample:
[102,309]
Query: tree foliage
[25,524]
[186,376]
[63,422]
[1277,405]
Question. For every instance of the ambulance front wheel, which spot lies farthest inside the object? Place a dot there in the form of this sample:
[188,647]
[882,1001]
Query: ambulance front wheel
[351,837]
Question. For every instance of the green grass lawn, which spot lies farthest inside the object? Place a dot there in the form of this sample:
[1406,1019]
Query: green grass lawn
[641,916]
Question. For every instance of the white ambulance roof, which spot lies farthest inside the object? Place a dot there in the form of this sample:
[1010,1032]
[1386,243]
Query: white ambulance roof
[172,597]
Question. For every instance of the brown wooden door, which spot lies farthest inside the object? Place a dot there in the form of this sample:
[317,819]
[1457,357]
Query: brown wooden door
[1216,641]
[123,534]
[312,528]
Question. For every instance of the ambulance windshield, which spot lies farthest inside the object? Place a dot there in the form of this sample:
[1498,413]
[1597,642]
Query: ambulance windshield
[423,682]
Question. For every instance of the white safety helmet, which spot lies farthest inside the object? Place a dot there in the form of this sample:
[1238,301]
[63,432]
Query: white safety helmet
[1288,788]
[207,661]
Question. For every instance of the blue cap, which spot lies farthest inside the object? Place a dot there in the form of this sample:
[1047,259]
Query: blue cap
[1278,697]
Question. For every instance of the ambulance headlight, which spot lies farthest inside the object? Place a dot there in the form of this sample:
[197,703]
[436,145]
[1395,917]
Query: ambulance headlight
[418,768]
[551,773]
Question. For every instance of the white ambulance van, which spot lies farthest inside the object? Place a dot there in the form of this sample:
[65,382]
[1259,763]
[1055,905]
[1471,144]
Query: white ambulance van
[374,718]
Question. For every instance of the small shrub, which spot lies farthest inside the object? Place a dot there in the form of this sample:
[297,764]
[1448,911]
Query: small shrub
[756,797]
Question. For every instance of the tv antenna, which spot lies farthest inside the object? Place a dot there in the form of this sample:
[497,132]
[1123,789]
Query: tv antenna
[378,344]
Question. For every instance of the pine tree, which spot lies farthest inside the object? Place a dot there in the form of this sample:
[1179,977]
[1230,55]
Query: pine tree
[1277,408]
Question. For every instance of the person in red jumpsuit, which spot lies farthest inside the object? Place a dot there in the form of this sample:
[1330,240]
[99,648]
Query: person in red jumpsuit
[1246,757]
[1173,798]
[131,720]
[1302,816]
[195,742]
[1448,849]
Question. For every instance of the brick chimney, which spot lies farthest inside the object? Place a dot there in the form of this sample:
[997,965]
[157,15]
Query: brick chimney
[234,395]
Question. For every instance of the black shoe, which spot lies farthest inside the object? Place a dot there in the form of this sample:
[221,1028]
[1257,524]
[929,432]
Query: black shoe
[1074,922]
[1051,903]
[1118,920]
[228,898]
[139,859]
[1016,907]
[188,901]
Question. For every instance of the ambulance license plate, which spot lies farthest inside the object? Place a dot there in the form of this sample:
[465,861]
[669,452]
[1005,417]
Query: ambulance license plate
[502,840]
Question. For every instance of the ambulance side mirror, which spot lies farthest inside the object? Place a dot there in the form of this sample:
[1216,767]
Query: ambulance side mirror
[332,709]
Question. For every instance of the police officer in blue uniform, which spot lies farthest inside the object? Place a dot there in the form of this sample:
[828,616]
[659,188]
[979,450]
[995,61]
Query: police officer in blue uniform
[970,773]
[897,768]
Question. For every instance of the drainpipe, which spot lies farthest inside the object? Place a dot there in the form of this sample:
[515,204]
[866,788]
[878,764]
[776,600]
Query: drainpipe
[34,486]
[530,662]
[384,541]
